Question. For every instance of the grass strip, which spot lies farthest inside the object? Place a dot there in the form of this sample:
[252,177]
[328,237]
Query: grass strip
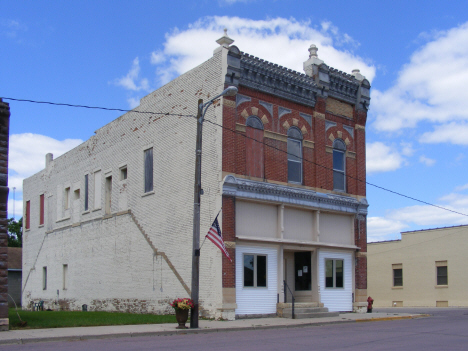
[63,319]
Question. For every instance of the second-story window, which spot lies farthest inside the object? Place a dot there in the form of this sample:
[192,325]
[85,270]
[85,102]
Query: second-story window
[41,209]
[294,155]
[254,147]
[86,193]
[339,173]
[148,159]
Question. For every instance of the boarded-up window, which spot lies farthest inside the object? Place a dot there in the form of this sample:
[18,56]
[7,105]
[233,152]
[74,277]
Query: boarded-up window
[254,147]
[65,276]
[148,158]
[41,209]
[97,189]
[86,192]
[28,215]
[108,195]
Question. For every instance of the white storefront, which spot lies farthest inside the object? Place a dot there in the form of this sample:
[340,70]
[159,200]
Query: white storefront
[306,241]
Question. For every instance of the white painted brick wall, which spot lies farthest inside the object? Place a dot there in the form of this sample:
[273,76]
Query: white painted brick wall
[110,264]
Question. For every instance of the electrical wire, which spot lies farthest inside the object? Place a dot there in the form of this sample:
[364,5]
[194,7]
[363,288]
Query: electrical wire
[245,136]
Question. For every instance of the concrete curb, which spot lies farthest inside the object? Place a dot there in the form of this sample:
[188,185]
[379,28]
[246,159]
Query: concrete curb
[195,331]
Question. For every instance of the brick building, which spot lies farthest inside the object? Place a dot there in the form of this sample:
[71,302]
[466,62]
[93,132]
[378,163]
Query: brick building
[109,224]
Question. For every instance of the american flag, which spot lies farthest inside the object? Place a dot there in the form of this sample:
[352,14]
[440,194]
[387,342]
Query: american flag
[214,235]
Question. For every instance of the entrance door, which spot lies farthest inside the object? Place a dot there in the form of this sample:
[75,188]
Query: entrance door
[303,276]
[297,271]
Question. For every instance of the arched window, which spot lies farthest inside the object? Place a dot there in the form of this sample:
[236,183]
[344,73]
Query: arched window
[254,147]
[294,155]
[339,168]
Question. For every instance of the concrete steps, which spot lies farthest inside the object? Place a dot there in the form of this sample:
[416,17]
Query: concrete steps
[304,310]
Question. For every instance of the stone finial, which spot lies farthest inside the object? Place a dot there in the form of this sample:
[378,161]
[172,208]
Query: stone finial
[313,51]
[312,64]
[225,41]
[357,74]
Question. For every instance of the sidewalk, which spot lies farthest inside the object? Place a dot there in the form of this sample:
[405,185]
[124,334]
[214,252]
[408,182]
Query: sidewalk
[206,326]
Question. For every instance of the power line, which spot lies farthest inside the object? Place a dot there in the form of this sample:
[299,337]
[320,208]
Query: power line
[245,136]
[347,175]
[96,107]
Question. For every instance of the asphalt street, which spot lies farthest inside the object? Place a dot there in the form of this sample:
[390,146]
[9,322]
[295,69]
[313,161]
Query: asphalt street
[446,329]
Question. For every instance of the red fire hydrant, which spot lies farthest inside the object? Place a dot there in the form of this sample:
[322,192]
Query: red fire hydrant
[370,302]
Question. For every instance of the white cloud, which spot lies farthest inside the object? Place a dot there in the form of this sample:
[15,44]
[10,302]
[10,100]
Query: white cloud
[426,160]
[157,57]
[12,28]
[133,102]
[431,87]
[455,133]
[184,50]
[406,148]
[379,228]
[27,155]
[382,158]
[130,81]
[462,187]
[394,221]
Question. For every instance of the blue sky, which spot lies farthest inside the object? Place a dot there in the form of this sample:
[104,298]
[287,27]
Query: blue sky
[112,53]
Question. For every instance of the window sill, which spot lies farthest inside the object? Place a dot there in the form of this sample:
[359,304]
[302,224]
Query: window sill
[62,219]
[97,209]
[148,193]
[85,212]
[441,286]
[397,287]
[41,225]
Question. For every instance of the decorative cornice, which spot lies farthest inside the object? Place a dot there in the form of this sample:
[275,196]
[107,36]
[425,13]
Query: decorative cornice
[343,86]
[358,126]
[250,189]
[273,79]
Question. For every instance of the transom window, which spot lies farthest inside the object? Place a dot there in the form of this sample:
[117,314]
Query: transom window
[334,277]
[339,176]
[294,155]
[255,271]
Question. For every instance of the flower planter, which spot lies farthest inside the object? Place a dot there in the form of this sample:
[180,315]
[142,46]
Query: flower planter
[181,317]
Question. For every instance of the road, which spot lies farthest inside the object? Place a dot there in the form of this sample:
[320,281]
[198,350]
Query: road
[446,329]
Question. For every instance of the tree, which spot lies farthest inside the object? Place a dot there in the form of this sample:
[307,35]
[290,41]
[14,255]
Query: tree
[15,232]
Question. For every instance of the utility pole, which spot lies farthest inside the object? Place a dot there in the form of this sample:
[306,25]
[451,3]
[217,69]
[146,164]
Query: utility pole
[229,91]
[196,220]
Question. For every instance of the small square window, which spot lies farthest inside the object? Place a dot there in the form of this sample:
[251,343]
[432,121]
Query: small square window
[76,194]
[123,173]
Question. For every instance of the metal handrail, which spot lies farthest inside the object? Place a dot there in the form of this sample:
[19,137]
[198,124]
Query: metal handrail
[286,286]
